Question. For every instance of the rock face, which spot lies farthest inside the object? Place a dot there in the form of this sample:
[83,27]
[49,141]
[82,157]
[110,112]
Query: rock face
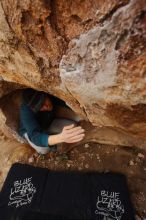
[92,54]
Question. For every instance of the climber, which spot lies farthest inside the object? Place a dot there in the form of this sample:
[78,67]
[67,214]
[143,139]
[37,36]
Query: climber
[39,125]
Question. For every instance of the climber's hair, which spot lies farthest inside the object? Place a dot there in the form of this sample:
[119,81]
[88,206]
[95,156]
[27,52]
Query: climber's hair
[34,99]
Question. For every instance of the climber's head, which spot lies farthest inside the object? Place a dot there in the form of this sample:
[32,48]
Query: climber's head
[37,100]
[47,105]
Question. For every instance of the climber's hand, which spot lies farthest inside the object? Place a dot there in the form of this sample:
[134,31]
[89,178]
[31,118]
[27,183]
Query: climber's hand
[72,134]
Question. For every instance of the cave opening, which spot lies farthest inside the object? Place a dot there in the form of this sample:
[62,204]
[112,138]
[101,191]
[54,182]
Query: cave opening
[10,113]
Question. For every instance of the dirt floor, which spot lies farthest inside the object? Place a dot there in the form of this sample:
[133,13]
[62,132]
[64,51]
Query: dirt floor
[86,157]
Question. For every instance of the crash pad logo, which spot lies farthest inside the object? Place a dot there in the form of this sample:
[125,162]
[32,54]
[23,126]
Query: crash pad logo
[22,192]
[109,206]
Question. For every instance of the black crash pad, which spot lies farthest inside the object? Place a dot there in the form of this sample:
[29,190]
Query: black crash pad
[35,193]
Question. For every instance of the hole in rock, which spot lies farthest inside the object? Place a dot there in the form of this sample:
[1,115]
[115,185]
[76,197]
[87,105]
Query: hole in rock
[10,105]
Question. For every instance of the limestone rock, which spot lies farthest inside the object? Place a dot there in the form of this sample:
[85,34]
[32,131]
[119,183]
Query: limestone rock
[91,54]
[105,70]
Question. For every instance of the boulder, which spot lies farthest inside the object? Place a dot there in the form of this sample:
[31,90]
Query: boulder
[91,54]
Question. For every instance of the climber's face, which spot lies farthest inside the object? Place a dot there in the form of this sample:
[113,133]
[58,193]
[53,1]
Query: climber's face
[47,106]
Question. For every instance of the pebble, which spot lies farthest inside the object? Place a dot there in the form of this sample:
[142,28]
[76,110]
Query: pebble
[86,145]
[31,160]
[140,155]
[131,162]
[56,162]
[86,166]
[137,217]
[91,155]
[97,156]
[68,165]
